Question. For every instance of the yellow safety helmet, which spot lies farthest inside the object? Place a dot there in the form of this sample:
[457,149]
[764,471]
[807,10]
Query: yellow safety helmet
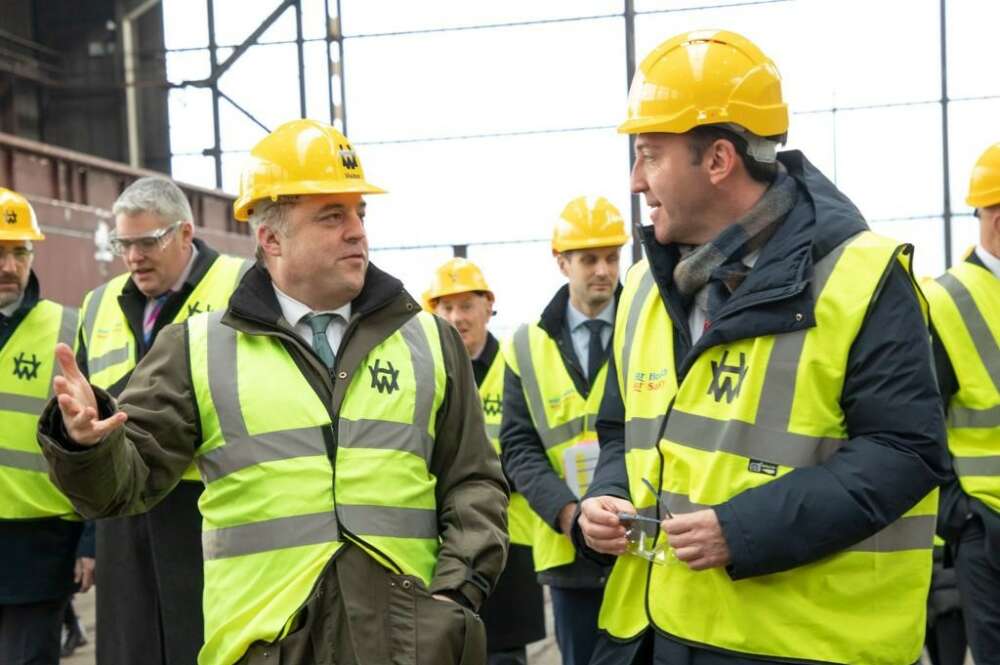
[456,275]
[300,157]
[706,77]
[984,186]
[17,218]
[584,226]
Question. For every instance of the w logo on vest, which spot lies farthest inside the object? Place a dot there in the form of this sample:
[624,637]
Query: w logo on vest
[384,379]
[25,368]
[492,405]
[727,379]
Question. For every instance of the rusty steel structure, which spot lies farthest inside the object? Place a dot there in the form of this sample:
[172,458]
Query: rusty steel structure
[72,194]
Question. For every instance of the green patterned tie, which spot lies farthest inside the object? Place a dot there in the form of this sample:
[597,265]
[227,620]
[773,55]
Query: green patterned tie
[319,323]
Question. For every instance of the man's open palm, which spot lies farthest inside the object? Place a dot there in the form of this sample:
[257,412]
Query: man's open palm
[78,404]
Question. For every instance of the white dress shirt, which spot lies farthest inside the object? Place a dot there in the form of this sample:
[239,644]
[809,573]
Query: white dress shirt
[296,313]
[580,334]
[991,262]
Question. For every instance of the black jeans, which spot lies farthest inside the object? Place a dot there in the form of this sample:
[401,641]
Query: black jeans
[979,584]
[30,633]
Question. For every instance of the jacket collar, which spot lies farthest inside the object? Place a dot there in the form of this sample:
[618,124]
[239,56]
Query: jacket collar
[776,290]
[254,298]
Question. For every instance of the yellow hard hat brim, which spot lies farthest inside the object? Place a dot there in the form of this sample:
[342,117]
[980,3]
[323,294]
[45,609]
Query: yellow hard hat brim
[21,234]
[437,295]
[590,243]
[983,199]
[241,208]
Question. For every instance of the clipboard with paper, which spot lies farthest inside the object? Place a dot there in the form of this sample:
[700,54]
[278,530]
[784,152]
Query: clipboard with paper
[579,463]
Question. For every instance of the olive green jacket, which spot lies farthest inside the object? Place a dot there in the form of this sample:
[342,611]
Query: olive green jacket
[136,466]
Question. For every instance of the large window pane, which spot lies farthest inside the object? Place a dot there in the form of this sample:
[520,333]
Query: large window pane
[510,188]
[193,169]
[188,66]
[973,127]
[185,24]
[236,19]
[889,160]
[813,134]
[381,16]
[232,167]
[927,237]
[318,82]
[190,120]
[414,267]
[269,98]
[486,81]
[972,27]
[314,17]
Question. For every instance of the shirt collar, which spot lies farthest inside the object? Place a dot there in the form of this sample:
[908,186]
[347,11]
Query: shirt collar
[990,261]
[575,318]
[294,311]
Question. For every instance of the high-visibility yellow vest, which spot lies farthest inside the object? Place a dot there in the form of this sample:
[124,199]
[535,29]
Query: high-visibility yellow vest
[646,385]
[563,418]
[112,351]
[521,519]
[27,367]
[965,309]
[274,508]
[750,411]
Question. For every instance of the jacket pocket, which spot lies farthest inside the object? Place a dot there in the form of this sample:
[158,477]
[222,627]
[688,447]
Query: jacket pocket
[426,631]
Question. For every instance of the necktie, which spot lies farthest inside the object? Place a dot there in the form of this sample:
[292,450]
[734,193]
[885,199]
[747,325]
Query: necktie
[595,349]
[150,322]
[318,323]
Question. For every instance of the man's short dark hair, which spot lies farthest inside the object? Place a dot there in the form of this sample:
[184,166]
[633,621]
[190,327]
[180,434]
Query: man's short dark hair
[702,137]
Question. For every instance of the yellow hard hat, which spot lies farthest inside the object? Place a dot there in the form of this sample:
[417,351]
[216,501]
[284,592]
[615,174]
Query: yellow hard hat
[583,226]
[17,218]
[706,77]
[456,275]
[300,157]
[984,187]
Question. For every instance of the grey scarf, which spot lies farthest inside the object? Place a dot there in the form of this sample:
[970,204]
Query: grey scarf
[721,258]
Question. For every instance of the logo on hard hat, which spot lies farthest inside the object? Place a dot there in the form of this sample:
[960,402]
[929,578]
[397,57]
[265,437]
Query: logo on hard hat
[10,217]
[348,157]
[384,379]
[26,369]
[727,379]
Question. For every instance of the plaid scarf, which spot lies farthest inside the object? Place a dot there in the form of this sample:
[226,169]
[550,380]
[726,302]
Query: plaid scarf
[719,262]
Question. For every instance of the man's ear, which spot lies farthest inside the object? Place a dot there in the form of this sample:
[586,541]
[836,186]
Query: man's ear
[722,159]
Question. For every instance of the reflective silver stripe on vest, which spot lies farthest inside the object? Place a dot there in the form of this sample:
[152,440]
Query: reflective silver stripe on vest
[67,334]
[385,435]
[109,359]
[423,374]
[267,535]
[978,466]
[962,416]
[550,436]
[390,521]
[241,450]
[907,533]
[22,403]
[982,337]
[642,433]
[90,316]
[19,459]
[493,430]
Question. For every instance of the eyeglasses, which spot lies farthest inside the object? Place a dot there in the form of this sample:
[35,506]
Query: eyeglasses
[21,254]
[156,240]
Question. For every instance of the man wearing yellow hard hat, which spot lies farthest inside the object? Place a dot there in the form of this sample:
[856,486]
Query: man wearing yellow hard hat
[965,318]
[552,390]
[514,614]
[353,510]
[150,587]
[43,545]
[772,401]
